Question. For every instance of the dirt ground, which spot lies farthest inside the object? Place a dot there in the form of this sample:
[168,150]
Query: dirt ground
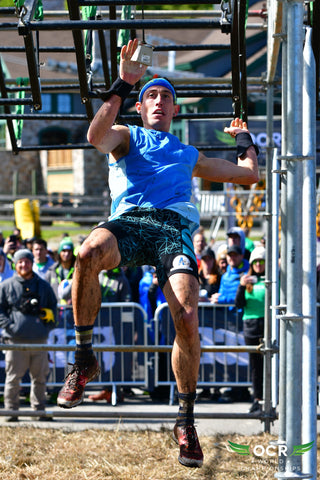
[30,453]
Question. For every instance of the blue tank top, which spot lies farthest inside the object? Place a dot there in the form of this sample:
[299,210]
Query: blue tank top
[156,173]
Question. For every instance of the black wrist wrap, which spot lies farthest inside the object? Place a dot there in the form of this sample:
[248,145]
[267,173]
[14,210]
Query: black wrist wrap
[244,141]
[119,87]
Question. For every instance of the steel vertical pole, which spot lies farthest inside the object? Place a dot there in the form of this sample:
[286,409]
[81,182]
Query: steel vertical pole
[268,269]
[275,274]
[283,264]
[309,243]
[294,237]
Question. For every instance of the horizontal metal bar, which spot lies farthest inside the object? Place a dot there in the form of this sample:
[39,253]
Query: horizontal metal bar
[77,117]
[128,348]
[43,116]
[46,88]
[16,101]
[69,146]
[185,116]
[89,3]
[7,10]
[133,93]
[41,49]
[177,81]
[118,25]
[181,48]
[186,93]
[121,413]
[8,26]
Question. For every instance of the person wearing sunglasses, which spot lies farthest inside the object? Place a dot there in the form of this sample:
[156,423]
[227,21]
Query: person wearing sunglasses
[251,297]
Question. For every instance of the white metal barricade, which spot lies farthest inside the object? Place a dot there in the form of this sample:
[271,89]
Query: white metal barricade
[117,324]
[218,325]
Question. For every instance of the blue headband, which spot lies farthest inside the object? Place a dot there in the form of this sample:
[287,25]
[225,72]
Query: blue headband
[161,82]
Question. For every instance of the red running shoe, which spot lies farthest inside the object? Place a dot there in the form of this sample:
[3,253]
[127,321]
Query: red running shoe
[72,393]
[190,451]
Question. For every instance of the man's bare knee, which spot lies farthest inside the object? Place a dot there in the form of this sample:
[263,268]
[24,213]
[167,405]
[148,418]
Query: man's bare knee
[99,251]
[186,322]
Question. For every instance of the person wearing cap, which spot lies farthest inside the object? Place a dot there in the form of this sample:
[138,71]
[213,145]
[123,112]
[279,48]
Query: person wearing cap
[236,236]
[151,223]
[60,274]
[27,314]
[237,266]
[251,298]
[209,275]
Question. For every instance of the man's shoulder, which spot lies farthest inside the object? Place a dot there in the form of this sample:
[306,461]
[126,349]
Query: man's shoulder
[53,267]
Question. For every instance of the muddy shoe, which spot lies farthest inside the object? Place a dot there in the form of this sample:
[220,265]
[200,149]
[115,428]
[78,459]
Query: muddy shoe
[190,451]
[72,392]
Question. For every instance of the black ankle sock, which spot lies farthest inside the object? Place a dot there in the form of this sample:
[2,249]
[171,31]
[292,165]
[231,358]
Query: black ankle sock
[186,406]
[84,352]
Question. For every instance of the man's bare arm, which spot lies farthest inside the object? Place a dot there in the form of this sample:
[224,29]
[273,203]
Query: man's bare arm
[220,170]
[105,136]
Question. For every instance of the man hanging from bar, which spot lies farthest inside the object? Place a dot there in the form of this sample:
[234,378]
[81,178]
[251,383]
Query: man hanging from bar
[151,223]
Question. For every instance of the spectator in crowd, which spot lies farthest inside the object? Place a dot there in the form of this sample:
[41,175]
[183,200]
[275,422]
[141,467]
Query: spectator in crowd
[251,298]
[28,242]
[236,236]
[230,280]
[155,294]
[11,245]
[60,274]
[144,285]
[209,282]
[5,267]
[150,297]
[237,266]
[199,242]
[222,258]
[60,277]
[114,287]
[17,232]
[42,260]
[1,239]
[209,275]
[27,313]
[152,221]
[134,275]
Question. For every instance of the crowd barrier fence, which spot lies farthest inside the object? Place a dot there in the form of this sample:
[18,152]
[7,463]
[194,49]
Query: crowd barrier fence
[218,325]
[130,356]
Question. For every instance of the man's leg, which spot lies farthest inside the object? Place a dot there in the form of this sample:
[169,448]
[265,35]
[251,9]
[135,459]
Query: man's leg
[17,362]
[98,252]
[38,369]
[182,293]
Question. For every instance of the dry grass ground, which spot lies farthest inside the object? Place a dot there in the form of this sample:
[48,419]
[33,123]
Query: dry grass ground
[28,453]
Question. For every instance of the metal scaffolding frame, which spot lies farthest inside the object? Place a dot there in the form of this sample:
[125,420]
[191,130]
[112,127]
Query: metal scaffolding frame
[231,19]
[297,332]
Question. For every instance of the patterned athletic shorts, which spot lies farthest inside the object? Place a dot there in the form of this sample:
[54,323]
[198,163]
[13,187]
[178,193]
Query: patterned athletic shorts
[161,238]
